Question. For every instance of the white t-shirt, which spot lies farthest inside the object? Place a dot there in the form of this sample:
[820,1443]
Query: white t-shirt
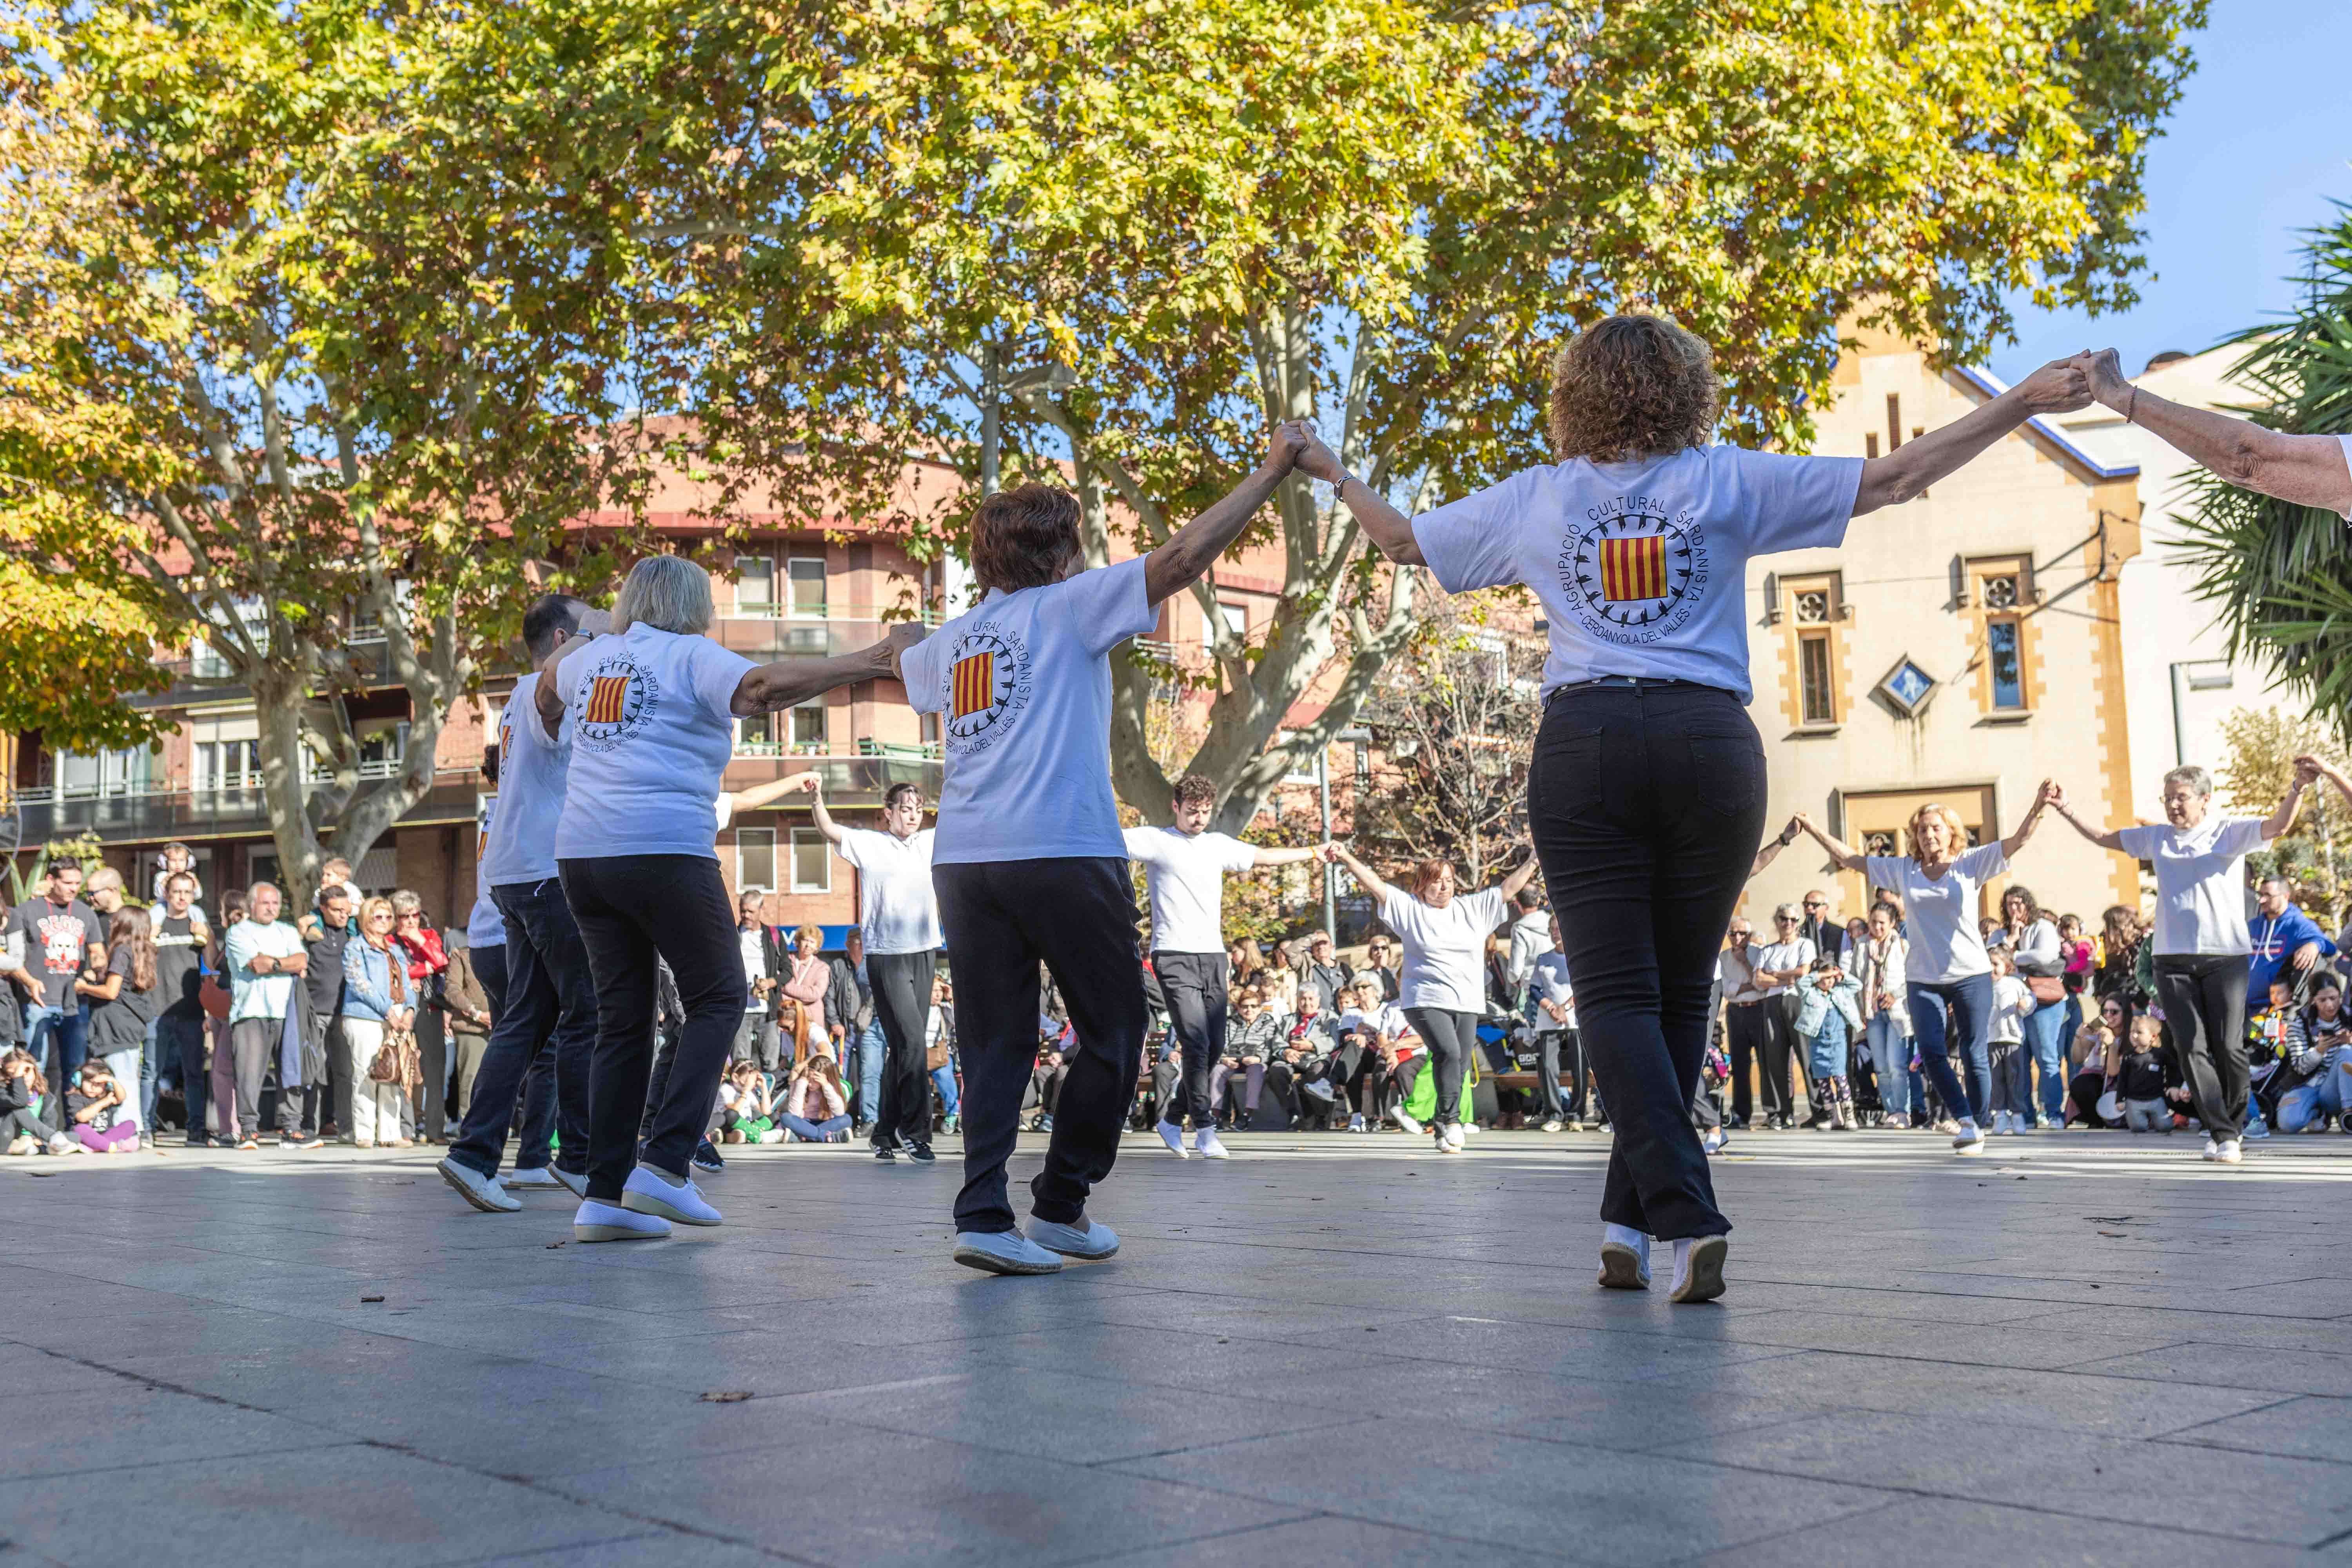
[2201,882]
[2011,1002]
[532,768]
[1642,567]
[649,716]
[1186,873]
[1940,916]
[1796,952]
[156,911]
[1386,1020]
[1547,982]
[896,908]
[485,927]
[755,967]
[1444,949]
[1022,684]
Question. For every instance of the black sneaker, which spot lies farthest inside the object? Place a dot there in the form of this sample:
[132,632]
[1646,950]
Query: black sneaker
[921,1154]
[882,1153]
[706,1158]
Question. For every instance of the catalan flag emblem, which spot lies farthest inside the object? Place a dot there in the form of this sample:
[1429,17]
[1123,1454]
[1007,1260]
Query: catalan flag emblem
[604,699]
[975,686]
[1634,568]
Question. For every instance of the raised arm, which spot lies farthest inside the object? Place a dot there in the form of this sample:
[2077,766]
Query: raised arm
[789,682]
[815,784]
[1840,851]
[2284,817]
[2105,838]
[1910,469]
[2322,769]
[1772,850]
[2309,470]
[1271,856]
[758,795]
[2044,799]
[1383,524]
[1511,884]
[1339,855]
[1177,564]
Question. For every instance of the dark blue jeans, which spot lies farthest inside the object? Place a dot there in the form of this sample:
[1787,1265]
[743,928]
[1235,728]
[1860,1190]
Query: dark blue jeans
[1646,803]
[1970,1002]
[58,1038]
[546,1021]
[181,1042]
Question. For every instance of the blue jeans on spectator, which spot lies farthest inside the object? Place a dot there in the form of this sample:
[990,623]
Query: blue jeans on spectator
[58,1038]
[179,1043]
[872,1046]
[2046,1037]
[1890,1063]
[944,1084]
[2328,1094]
[1970,1025]
[814,1131]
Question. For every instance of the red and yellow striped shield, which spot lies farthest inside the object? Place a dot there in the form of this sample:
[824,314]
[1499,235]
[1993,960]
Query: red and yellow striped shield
[604,699]
[975,685]
[1634,568]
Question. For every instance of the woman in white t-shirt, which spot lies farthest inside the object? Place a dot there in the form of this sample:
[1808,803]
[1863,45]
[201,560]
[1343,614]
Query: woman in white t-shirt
[650,710]
[1647,793]
[1444,980]
[1027,858]
[1948,975]
[2201,941]
[2310,470]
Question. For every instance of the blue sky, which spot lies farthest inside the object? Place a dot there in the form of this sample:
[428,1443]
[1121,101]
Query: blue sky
[2261,139]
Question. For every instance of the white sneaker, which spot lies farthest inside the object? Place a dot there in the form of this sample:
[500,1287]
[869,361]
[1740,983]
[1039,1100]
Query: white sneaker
[610,1222]
[649,1191]
[2229,1152]
[1698,1268]
[1452,1138]
[2212,1149]
[1898,1120]
[1319,1089]
[1999,1124]
[576,1185]
[1407,1122]
[1005,1252]
[1355,1123]
[1968,1139]
[1714,1141]
[483,1191]
[1551,1124]
[1173,1136]
[1625,1258]
[1205,1144]
[773,1135]
[539,1179]
[1094,1242]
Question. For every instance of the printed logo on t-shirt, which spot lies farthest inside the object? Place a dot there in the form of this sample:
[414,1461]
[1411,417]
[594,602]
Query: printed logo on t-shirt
[64,939]
[1635,572]
[616,700]
[989,686]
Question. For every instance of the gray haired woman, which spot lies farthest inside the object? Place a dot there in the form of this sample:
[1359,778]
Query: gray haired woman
[650,707]
[2201,941]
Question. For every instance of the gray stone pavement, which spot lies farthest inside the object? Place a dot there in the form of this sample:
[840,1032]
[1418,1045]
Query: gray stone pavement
[2082,1348]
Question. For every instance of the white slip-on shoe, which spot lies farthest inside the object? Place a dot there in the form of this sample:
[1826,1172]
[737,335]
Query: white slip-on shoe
[538,1179]
[610,1222]
[483,1191]
[1205,1144]
[1094,1242]
[1624,1259]
[2229,1152]
[1172,1134]
[1453,1136]
[1698,1269]
[1968,1139]
[2213,1149]
[654,1192]
[1005,1252]
[576,1185]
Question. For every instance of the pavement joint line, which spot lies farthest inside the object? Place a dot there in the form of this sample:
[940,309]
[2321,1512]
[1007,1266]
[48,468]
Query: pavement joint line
[1239,1530]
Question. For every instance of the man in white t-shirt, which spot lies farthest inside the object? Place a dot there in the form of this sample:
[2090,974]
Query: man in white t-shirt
[1184,867]
[899,921]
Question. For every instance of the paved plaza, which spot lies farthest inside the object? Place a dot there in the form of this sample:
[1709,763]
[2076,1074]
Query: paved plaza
[2083,1348]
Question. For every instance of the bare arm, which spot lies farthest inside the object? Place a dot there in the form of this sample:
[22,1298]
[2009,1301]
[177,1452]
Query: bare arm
[1266,856]
[1191,549]
[1383,524]
[2284,817]
[760,794]
[826,824]
[1364,874]
[2309,470]
[1511,884]
[2042,800]
[2321,769]
[2105,839]
[1840,851]
[789,682]
[1910,469]
[1772,850]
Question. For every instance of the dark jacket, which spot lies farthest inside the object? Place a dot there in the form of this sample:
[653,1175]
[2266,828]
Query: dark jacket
[1329,980]
[848,999]
[323,975]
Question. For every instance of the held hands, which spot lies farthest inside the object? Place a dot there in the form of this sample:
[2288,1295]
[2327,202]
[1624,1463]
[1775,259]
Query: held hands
[2050,793]
[2309,771]
[807,783]
[1290,439]
[2059,387]
[904,637]
[2104,371]
[1319,462]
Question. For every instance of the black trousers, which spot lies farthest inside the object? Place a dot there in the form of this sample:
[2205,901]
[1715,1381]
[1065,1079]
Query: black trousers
[630,908]
[1451,1036]
[2204,1000]
[1646,804]
[1555,1048]
[1779,1056]
[1002,917]
[1364,1078]
[1197,985]
[1746,1029]
[902,1006]
[544,1031]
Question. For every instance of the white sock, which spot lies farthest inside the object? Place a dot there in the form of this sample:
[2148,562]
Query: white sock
[1682,1259]
[1628,1236]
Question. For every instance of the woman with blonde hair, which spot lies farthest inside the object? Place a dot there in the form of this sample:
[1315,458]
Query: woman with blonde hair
[377,1001]
[805,987]
[1948,974]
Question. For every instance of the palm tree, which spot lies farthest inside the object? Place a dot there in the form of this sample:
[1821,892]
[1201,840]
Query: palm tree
[2281,573]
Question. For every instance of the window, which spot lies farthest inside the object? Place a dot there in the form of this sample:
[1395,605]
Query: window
[807,582]
[1870,444]
[1234,614]
[812,862]
[755,859]
[2002,642]
[86,774]
[808,728]
[228,764]
[755,735]
[755,584]
[1893,421]
[1813,664]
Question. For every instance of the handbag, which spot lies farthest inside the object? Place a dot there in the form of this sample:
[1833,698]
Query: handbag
[2046,988]
[935,1057]
[397,1060]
